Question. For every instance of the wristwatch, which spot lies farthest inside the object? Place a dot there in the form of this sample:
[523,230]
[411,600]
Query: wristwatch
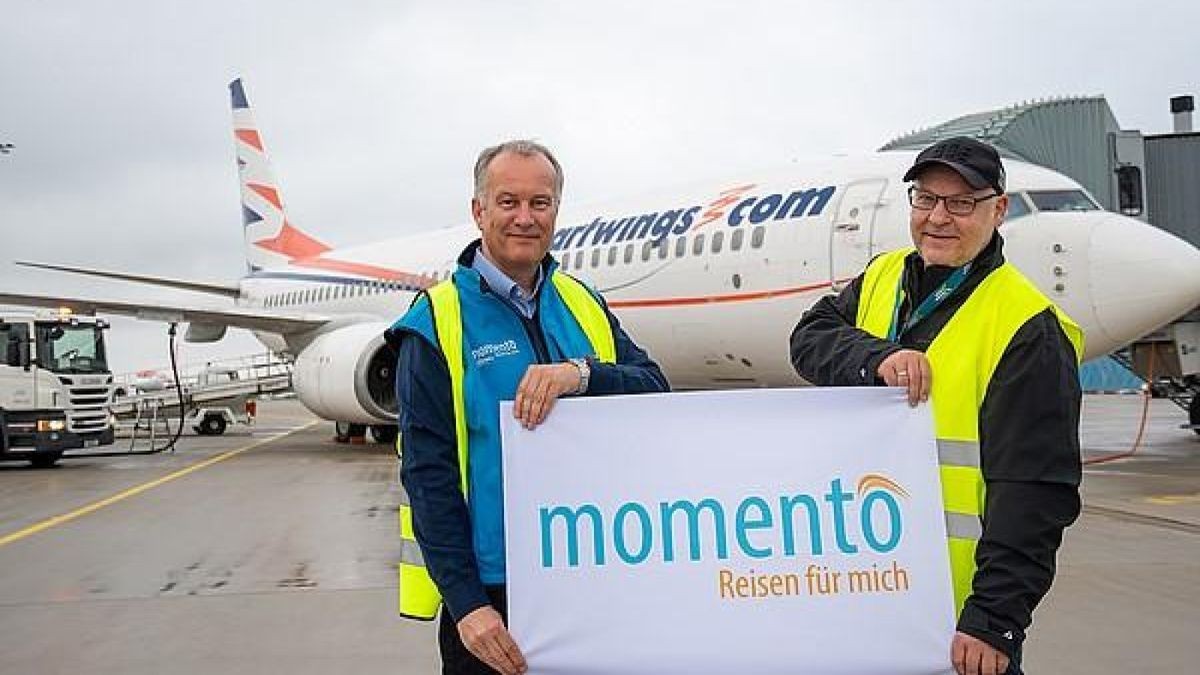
[585,374]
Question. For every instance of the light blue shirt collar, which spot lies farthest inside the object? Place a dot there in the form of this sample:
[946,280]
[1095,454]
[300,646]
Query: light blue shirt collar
[505,287]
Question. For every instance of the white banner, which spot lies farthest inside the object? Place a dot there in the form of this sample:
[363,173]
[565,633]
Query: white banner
[764,531]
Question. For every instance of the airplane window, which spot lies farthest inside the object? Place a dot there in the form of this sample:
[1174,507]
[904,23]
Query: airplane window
[717,239]
[1017,206]
[579,260]
[565,263]
[646,250]
[698,244]
[680,247]
[612,255]
[1062,200]
[663,247]
[595,257]
[735,239]
[756,238]
[628,253]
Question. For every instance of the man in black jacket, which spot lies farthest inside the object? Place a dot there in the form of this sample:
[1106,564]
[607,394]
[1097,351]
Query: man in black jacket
[1022,418]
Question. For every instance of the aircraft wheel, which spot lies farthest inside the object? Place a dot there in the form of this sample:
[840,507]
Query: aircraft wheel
[384,433]
[343,432]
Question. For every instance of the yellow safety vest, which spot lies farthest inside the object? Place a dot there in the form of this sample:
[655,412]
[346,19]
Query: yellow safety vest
[963,356]
[419,596]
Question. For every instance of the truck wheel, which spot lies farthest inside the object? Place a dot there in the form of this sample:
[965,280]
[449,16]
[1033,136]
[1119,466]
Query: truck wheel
[384,433]
[45,460]
[212,425]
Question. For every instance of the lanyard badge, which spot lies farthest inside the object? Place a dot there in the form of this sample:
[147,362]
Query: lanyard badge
[932,302]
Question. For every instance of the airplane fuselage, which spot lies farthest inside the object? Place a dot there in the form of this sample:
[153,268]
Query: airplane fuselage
[711,278]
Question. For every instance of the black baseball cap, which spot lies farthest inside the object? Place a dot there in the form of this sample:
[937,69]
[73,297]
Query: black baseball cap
[977,162]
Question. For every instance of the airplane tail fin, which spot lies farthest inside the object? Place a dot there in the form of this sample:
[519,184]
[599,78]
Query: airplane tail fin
[271,240]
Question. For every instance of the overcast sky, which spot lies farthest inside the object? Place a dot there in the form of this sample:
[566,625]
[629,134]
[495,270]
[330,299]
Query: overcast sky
[124,158]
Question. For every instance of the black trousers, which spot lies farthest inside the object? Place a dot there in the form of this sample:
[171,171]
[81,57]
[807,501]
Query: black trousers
[456,659]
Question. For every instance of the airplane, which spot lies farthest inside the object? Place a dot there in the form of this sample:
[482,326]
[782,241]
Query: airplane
[710,278]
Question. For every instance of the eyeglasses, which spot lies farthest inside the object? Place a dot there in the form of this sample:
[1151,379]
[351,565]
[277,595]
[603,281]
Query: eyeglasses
[958,205]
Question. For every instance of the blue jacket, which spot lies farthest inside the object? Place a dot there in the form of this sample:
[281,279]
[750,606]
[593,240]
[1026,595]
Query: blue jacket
[463,546]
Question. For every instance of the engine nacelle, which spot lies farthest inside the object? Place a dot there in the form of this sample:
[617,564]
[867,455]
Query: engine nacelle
[348,375]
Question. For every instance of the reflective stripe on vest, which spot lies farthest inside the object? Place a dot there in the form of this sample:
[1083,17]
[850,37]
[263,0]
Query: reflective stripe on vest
[419,597]
[963,356]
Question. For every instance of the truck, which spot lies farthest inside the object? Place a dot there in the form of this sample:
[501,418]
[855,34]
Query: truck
[55,386]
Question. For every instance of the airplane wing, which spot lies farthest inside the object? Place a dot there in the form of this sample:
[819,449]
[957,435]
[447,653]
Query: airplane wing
[259,320]
[227,290]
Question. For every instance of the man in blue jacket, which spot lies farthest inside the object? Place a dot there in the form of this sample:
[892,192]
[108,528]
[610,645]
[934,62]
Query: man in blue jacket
[507,326]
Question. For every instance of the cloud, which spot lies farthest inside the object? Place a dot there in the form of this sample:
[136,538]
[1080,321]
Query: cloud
[373,112]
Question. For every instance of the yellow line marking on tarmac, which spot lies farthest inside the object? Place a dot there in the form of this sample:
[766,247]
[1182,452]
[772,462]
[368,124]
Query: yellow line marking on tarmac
[108,501]
[1174,500]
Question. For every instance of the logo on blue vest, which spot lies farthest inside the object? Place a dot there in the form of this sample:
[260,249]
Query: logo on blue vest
[485,354]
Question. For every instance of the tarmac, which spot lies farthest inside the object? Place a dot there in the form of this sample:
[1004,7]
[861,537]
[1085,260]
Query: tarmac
[271,549]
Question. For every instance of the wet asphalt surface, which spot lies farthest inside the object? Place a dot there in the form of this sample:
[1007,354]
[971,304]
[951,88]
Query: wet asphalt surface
[281,558]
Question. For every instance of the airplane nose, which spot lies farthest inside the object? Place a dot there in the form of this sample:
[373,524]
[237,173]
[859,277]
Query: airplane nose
[1141,278]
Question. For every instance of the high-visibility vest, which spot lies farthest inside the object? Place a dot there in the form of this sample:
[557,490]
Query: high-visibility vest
[963,356]
[419,596]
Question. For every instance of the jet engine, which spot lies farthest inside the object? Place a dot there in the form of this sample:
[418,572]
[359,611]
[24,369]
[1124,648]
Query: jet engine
[348,375]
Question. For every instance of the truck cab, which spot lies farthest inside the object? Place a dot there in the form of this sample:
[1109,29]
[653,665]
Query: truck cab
[55,386]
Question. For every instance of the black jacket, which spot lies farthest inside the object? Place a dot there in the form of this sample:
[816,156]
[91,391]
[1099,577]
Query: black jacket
[1028,434]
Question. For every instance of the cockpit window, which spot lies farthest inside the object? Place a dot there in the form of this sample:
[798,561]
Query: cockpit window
[1017,206]
[1062,200]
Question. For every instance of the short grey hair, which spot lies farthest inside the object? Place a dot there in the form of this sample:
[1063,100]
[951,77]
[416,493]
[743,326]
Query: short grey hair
[525,148]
